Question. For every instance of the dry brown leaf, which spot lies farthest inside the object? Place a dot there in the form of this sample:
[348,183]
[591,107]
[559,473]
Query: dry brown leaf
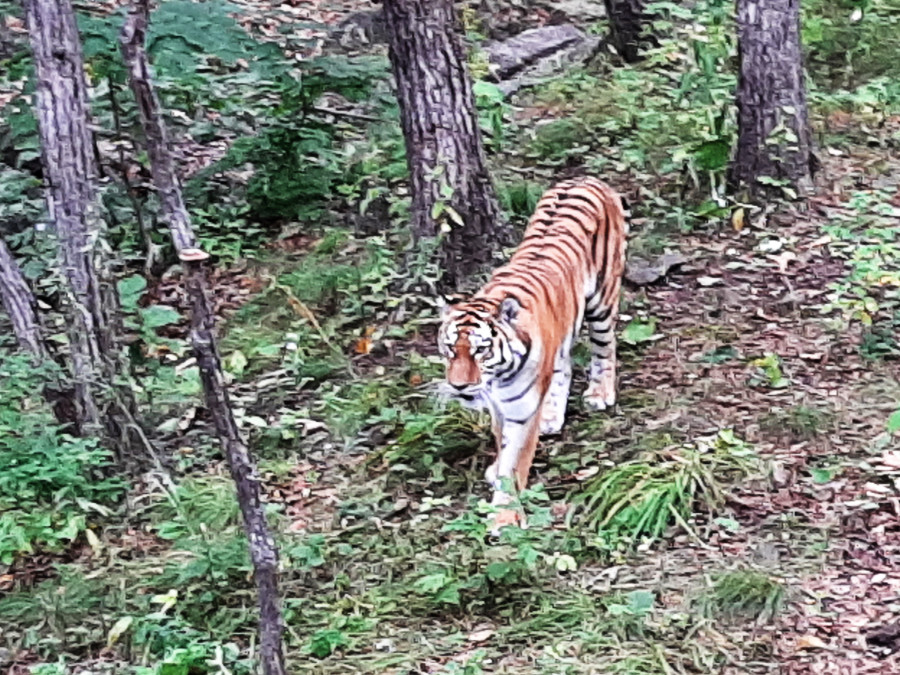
[810,642]
[481,635]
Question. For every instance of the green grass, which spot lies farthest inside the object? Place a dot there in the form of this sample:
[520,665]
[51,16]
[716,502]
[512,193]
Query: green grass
[744,594]
[640,499]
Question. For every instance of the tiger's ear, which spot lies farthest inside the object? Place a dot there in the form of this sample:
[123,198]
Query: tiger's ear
[509,309]
[445,302]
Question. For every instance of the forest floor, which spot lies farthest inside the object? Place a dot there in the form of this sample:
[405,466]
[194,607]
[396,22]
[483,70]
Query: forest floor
[759,390]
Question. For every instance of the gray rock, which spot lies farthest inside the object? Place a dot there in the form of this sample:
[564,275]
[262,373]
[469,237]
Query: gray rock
[645,272]
[536,54]
[579,10]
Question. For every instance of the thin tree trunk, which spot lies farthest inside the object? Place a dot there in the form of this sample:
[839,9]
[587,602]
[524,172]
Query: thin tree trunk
[627,25]
[104,402]
[451,189]
[774,138]
[243,471]
[19,303]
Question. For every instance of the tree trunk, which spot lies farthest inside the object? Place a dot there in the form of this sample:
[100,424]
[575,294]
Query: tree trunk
[19,303]
[452,194]
[243,470]
[103,402]
[627,21]
[774,138]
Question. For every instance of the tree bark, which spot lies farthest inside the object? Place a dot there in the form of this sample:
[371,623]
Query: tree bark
[452,193]
[103,401]
[243,470]
[19,303]
[627,21]
[774,139]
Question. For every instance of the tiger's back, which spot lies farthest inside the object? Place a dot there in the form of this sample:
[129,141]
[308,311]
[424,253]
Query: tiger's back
[510,344]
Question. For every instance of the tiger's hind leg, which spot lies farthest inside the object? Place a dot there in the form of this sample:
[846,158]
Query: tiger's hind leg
[601,321]
[553,409]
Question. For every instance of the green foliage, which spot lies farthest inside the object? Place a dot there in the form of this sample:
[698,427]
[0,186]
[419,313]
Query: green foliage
[638,331]
[768,373]
[849,43]
[893,422]
[642,498]
[51,484]
[868,240]
[519,199]
[184,38]
[197,505]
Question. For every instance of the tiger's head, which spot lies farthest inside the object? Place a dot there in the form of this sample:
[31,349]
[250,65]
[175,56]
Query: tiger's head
[480,343]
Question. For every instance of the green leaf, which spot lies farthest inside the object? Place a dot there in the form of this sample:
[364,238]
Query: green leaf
[324,642]
[159,315]
[893,423]
[641,602]
[712,155]
[130,290]
[821,476]
[638,331]
[432,583]
[498,570]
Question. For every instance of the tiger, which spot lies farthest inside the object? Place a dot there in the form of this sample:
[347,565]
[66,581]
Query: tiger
[508,347]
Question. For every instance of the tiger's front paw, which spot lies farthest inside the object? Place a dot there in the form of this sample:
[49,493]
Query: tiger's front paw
[600,397]
[506,515]
[504,518]
[552,426]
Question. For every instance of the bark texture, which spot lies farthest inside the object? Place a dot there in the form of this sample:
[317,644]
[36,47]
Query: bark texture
[773,125]
[243,470]
[105,407]
[451,187]
[627,20]
[20,304]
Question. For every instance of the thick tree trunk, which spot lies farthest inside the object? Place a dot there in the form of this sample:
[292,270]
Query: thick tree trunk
[773,125]
[452,194]
[105,406]
[627,22]
[243,471]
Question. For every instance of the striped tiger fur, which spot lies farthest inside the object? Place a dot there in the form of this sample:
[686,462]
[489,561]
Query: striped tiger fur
[509,345]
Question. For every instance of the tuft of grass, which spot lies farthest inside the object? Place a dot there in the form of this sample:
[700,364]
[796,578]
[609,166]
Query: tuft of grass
[744,594]
[642,498]
[800,421]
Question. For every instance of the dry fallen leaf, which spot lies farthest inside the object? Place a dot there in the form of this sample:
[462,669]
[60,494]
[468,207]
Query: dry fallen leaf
[363,346]
[481,635]
[584,474]
[810,642]
[783,260]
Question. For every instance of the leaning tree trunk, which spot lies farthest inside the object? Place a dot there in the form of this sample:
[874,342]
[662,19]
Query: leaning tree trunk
[627,28]
[774,140]
[452,194]
[263,552]
[104,404]
[19,303]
